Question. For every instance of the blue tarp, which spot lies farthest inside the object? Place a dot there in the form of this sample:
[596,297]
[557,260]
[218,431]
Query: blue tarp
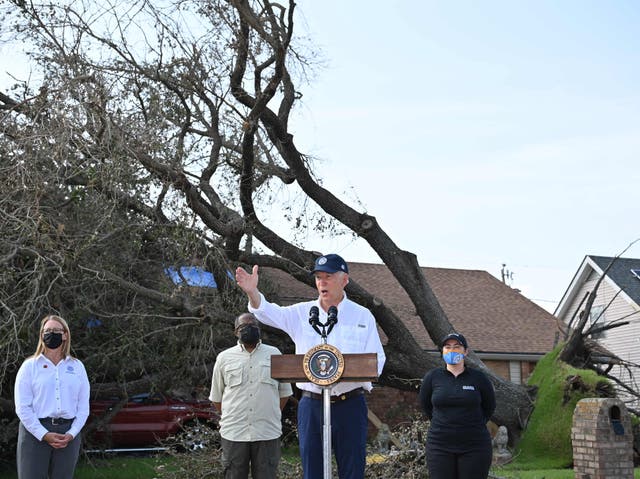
[93,322]
[193,275]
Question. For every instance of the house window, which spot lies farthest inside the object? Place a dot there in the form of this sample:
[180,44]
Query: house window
[515,373]
[596,316]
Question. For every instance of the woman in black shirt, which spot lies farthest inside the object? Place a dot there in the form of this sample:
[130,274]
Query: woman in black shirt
[459,401]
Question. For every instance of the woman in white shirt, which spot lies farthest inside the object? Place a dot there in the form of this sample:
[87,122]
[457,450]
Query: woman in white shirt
[52,402]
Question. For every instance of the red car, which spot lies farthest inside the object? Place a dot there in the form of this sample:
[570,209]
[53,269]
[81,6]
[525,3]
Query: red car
[146,420]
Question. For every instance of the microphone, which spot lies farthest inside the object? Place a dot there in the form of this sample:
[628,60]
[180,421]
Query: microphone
[313,315]
[332,317]
[314,320]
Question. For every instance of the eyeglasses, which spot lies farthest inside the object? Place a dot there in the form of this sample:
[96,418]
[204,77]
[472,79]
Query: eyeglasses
[58,331]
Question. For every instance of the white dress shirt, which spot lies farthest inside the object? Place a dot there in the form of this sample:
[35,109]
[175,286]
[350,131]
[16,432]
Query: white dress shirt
[44,389]
[249,396]
[355,332]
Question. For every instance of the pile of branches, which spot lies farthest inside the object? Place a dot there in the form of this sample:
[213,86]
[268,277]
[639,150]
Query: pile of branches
[406,461]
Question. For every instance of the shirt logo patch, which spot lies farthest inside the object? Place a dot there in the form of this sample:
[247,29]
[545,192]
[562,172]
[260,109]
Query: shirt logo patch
[70,370]
[362,325]
[468,388]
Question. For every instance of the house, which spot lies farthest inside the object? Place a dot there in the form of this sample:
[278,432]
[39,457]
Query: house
[617,300]
[508,332]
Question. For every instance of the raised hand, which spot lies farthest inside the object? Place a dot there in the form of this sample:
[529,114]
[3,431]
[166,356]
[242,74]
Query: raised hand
[248,282]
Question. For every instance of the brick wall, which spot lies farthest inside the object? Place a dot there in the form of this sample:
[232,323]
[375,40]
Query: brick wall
[393,406]
[527,368]
[501,368]
[598,452]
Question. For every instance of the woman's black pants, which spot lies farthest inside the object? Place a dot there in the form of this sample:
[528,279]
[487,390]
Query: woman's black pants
[471,464]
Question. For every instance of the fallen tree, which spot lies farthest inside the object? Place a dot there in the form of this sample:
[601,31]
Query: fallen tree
[160,134]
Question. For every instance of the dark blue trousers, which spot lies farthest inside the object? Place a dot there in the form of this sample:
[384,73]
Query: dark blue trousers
[348,436]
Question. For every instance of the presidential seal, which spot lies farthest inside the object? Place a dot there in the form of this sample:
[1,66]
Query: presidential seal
[323,364]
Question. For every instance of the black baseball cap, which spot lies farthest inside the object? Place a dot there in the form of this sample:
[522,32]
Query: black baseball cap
[457,336]
[330,263]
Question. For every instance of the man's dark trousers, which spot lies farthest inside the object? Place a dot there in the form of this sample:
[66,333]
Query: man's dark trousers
[348,436]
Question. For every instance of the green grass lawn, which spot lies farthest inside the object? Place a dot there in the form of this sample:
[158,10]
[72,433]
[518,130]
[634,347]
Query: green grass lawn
[545,474]
[132,467]
[116,467]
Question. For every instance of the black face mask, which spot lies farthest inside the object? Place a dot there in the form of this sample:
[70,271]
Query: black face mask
[52,340]
[250,335]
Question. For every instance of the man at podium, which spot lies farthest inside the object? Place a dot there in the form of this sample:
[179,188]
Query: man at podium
[355,332]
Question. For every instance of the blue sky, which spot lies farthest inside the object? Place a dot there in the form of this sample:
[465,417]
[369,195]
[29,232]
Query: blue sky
[477,133]
[481,133]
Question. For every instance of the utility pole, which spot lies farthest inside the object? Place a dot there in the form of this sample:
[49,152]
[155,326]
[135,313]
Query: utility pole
[506,274]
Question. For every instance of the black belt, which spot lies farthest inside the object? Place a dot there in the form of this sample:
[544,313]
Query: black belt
[55,421]
[334,399]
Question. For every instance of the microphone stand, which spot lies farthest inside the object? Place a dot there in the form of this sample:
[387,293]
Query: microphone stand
[326,390]
[326,428]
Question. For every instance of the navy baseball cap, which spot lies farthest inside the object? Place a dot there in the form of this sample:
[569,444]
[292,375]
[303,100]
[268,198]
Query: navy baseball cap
[330,263]
[457,336]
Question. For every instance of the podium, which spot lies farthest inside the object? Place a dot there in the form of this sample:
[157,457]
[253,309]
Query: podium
[324,366]
[289,368]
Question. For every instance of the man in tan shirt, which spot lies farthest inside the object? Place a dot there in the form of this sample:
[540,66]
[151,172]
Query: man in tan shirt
[250,403]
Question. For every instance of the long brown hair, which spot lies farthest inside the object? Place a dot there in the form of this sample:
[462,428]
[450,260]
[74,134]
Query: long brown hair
[66,345]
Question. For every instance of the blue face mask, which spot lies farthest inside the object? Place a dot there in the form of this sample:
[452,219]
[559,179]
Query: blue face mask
[453,357]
